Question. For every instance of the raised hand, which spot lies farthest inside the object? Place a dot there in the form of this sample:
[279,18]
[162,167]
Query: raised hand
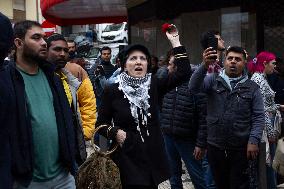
[209,56]
[173,37]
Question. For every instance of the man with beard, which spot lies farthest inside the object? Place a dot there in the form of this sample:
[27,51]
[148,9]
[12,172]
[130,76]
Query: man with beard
[79,92]
[42,140]
[7,105]
[215,67]
[235,117]
[72,49]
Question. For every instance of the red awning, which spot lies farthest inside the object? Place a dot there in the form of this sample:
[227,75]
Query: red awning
[80,12]
[48,28]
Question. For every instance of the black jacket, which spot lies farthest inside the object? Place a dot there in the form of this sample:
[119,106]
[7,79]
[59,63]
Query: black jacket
[183,115]
[276,81]
[108,69]
[141,163]
[7,119]
[99,80]
[21,132]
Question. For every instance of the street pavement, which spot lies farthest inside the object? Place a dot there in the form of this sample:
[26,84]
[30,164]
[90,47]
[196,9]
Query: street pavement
[187,184]
[166,185]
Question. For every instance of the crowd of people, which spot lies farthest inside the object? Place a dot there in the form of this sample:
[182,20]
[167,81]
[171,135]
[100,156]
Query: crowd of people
[221,118]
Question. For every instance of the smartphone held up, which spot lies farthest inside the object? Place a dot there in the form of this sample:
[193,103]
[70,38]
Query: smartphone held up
[213,43]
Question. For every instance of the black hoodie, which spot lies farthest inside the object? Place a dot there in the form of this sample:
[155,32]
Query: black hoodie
[7,105]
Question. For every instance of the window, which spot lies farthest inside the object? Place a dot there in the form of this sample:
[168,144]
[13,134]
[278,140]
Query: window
[19,5]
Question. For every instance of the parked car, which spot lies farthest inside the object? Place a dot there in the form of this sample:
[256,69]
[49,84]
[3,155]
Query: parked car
[94,53]
[115,33]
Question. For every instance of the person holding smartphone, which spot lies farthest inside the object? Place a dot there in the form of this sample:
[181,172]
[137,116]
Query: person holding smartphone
[212,39]
[235,117]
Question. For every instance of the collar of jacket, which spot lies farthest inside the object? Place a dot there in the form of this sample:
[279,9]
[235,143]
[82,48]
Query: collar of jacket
[47,67]
[228,86]
[105,62]
[225,80]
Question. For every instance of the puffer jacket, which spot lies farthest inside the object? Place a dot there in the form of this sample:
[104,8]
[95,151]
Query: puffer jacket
[86,99]
[184,115]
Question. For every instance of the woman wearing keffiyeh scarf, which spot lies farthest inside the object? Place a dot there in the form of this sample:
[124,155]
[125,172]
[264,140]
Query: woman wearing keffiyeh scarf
[129,107]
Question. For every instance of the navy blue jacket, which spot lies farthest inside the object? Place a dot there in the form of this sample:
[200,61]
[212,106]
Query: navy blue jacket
[21,132]
[235,117]
[183,115]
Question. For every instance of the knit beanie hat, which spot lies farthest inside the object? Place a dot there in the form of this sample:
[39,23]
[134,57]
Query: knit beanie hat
[6,35]
[130,48]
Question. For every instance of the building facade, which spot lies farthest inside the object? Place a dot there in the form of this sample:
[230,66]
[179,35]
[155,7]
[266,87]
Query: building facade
[255,25]
[18,10]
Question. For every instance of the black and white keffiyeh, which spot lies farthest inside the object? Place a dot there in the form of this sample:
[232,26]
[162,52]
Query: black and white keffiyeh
[136,91]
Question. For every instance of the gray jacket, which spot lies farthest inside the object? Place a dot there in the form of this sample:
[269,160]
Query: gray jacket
[74,85]
[235,115]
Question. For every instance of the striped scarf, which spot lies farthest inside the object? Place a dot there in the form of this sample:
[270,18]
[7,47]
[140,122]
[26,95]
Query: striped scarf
[136,91]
